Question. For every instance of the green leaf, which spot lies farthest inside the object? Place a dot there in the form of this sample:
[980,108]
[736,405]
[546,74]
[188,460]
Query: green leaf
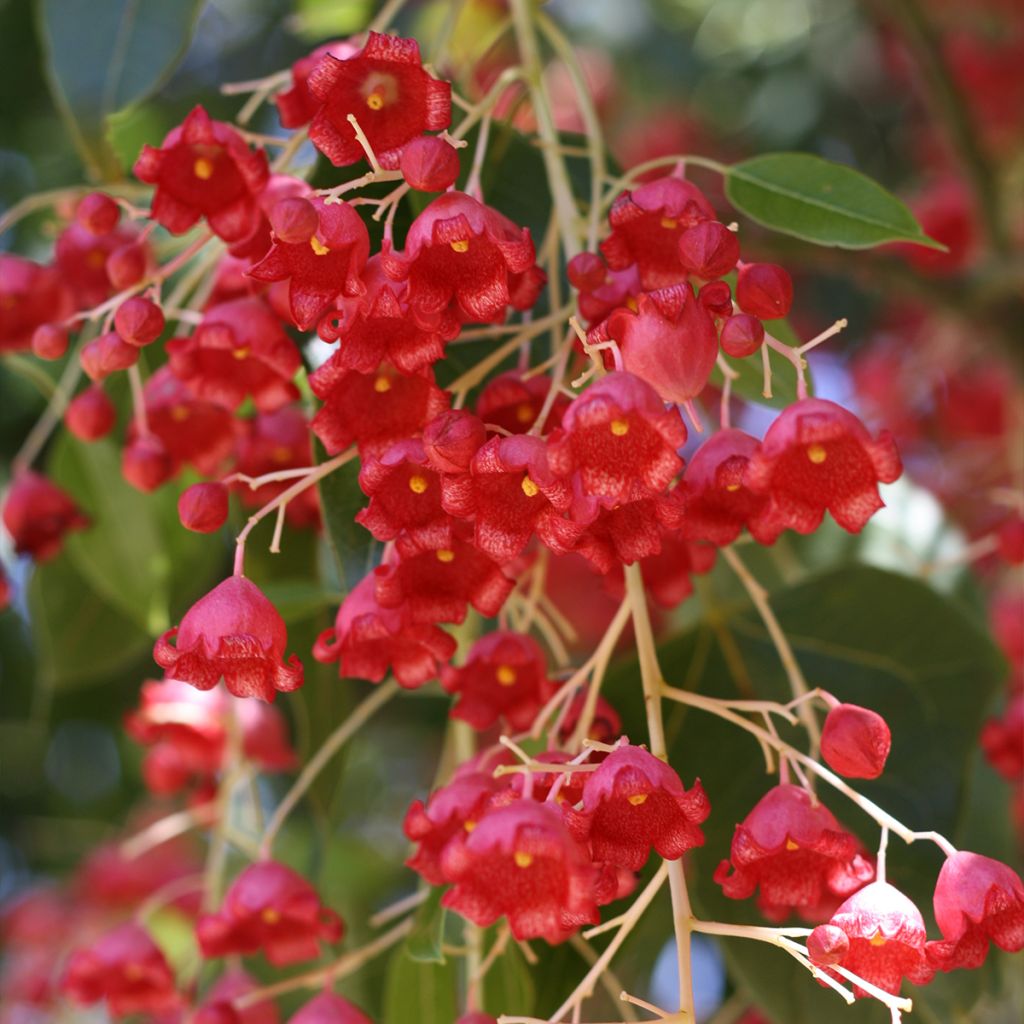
[870,637]
[105,57]
[426,940]
[508,985]
[820,201]
[420,992]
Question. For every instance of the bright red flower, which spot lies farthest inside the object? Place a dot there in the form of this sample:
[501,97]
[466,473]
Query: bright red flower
[404,492]
[37,514]
[520,861]
[977,900]
[449,815]
[233,632]
[205,169]
[855,741]
[602,290]
[371,410]
[81,259]
[30,295]
[647,224]
[239,350]
[504,676]
[126,968]
[386,88]
[818,456]
[296,106]
[510,494]
[886,936]
[668,574]
[328,1008]
[217,1007]
[272,909]
[795,851]
[459,260]
[634,803]
[321,268]
[436,574]
[669,341]
[514,404]
[627,532]
[367,640]
[621,440]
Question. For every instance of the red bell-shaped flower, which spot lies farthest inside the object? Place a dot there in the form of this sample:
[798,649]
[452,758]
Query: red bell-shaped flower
[296,106]
[217,1007]
[797,854]
[233,632]
[514,404]
[328,1008]
[30,295]
[37,515]
[269,907]
[634,803]
[404,492]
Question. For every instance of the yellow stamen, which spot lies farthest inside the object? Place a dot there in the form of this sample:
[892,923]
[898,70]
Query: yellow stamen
[381,384]
[417,484]
[96,259]
[133,971]
[505,674]
[619,428]
[375,101]
[180,413]
[524,412]
[522,859]
[816,453]
[790,845]
[469,825]
[270,916]
[445,555]
[878,939]
[280,454]
[460,245]
[631,304]
[732,487]
[637,799]
[318,247]
[203,169]
[669,223]
[241,353]
[530,489]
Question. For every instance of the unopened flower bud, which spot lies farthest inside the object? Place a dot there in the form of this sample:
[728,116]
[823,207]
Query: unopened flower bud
[203,508]
[294,220]
[855,741]
[741,335]
[708,249]
[429,163]
[90,415]
[49,341]
[764,290]
[139,321]
[98,213]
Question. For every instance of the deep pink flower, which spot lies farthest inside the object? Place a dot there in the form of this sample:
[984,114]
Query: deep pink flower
[296,106]
[233,632]
[30,295]
[514,404]
[1002,740]
[217,1007]
[82,261]
[328,1008]
[795,851]
[37,514]
[855,741]
[404,492]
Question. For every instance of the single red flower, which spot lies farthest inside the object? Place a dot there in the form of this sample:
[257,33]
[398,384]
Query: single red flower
[647,225]
[233,632]
[510,494]
[634,803]
[627,532]
[504,676]
[205,169]
[404,492]
[818,456]
[82,258]
[239,350]
[977,900]
[296,106]
[436,574]
[795,851]
[521,862]
[509,402]
[372,410]
[668,574]
[30,295]
[328,1008]
[367,640]
[621,440]
[322,267]
[449,816]
[459,259]
[126,968]
[386,88]
[855,741]
[272,909]
[218,1008]
[886,936]
[37,514]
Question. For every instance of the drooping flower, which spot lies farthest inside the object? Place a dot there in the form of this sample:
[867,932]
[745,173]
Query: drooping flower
[385,87]
[30,295]
[795,852]
[329,1008]
[627,532]
[521,862]
[886,936]
[38,514]
[634,803]
[855,741]
[509,402]
[404,492]
[504,676]
[668,574]
[205,169]
[818,457]
[233,632]
[977,900]
[126,968]
[272,909]
[368,640]
[296,106]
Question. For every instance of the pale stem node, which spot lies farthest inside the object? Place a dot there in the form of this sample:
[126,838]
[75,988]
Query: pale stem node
[138,401]
[399,908]
[364,142]
[766,371]
[794,357]
[728,376]
[830,332]
[166,829]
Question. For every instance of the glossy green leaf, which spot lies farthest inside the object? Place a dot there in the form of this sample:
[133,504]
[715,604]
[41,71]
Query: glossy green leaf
[426,940]
[508,986]
[820,201]
[422,992]
[104,57]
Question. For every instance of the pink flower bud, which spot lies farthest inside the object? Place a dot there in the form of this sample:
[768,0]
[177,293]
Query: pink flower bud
[855,741]
[107,354]
[708,249]
[827,945]
[764,290]
[741,336]
[98,213]
[126,265]
[294,220]
[139,321]
[90,415]
[146,463]
[587,271]
[49,341]
[452,439]
[429,164]
[203,508]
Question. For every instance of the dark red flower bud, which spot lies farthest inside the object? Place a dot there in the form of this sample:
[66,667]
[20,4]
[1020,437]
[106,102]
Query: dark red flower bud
[294,220]
[90,415]
[49,341]
[98,213]
[716,298]
[429,164]
[764,290]
[827,945]
[855,741]
[586,271]
[203,508]
[233,632]
[328,1008]
[452,439]
[139,321]
[741,335]
[146,464]
[126,265]
[37,514]
[708,249]
[106,355]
